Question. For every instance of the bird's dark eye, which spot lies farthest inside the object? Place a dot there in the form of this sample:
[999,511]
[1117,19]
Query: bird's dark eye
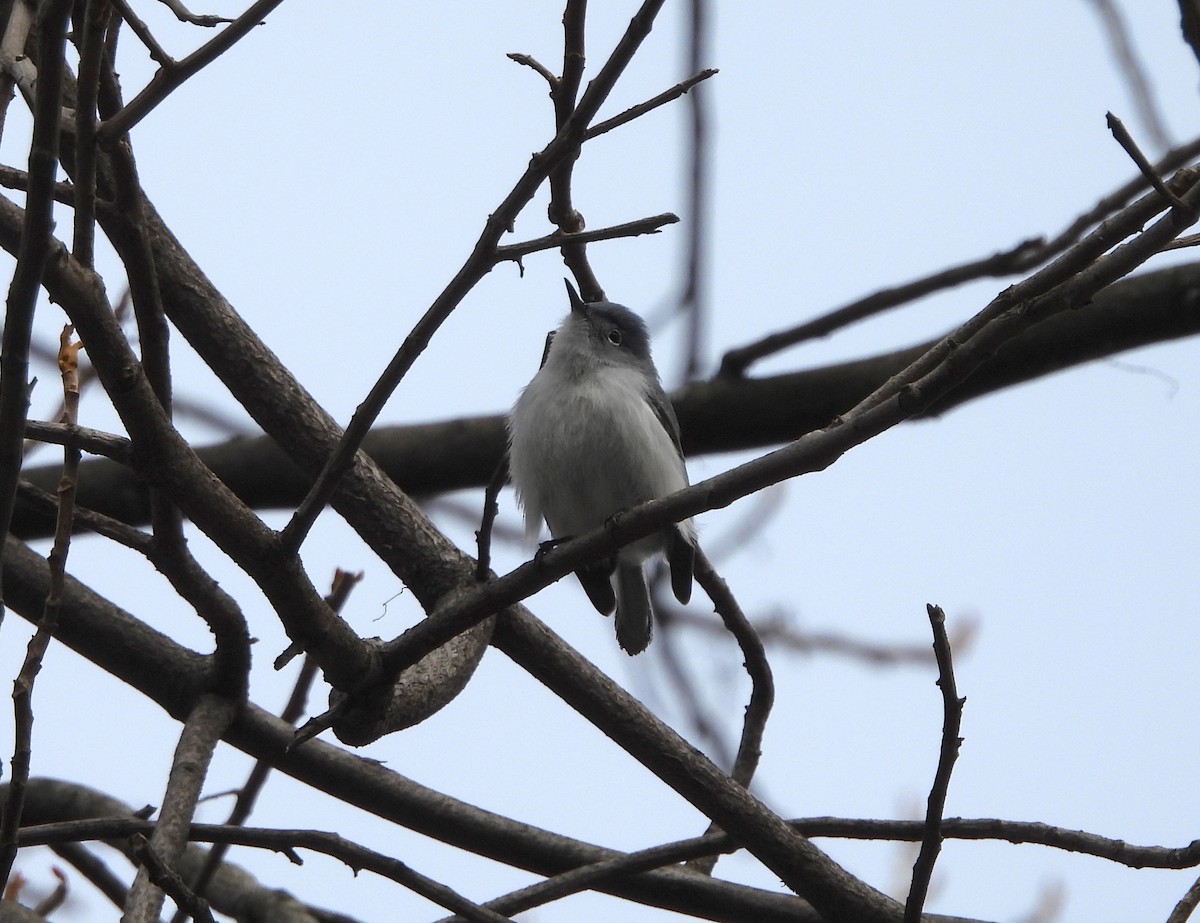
[614,337]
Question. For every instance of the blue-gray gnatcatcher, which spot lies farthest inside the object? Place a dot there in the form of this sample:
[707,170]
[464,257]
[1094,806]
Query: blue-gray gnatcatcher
[594,434]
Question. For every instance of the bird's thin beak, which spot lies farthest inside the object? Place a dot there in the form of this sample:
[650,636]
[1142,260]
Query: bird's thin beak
[577,304]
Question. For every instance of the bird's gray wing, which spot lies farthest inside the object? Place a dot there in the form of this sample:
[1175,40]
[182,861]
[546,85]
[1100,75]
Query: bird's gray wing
[661,405]
[681,553]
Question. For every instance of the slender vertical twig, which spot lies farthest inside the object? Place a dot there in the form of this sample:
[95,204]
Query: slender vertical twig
[692,302]
[35,652]
[562,211]
[483,538]
[145,294]
[32,255]
[952,705]
[90,36]
[762,684]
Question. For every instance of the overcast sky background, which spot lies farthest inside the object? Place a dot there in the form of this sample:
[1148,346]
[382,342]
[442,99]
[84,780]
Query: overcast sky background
[332,172]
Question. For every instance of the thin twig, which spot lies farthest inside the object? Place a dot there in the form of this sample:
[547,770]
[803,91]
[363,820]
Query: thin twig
[1125,139]
[112,529]
[966,829]
[563,95]
[654,102]
[183,14]
[157,53]
[706,729]
[736,361]
[651,225]
[1184,243]
[589,876]
[693,303]
[536,65]
[562,211]
[931,839]
[1025,256]
[778,631]
[353,855]
[483,537]
[14,395]
[168,79]
[91,52]
[68,361]
[762,685]
[35,652]
[133,246]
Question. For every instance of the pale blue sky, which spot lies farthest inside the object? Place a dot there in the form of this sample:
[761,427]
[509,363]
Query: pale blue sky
[330,177]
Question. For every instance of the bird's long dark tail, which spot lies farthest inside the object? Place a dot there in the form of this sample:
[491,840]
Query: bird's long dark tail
[634,621]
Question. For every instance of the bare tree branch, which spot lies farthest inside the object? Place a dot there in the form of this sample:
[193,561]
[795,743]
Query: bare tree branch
[159,873]
[1183,910]
[170,77]
[952,705]
[1072,280]
[205,726]
[175,678]
[1025,256]
[1125,139]
[183,14]
[16,70]
[633,112]
[693,299]
[651,225]
[33,253]
[762,684]
[14,388]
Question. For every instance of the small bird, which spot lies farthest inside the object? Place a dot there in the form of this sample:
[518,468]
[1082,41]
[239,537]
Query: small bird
[593,434]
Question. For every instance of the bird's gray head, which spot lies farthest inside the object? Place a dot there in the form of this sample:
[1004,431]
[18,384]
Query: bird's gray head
[603,333]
